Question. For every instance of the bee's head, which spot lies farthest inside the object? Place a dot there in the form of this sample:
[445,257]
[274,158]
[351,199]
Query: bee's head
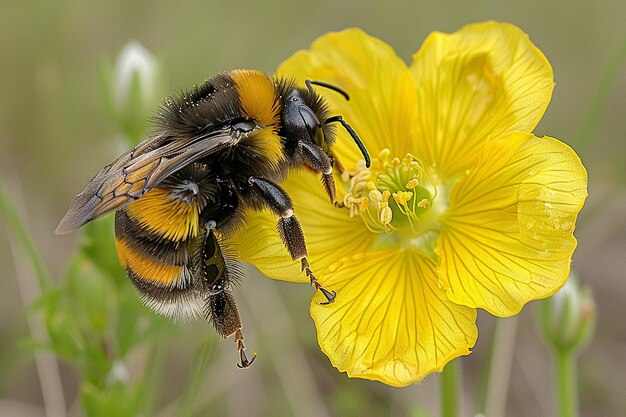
[306,118]
[303,115]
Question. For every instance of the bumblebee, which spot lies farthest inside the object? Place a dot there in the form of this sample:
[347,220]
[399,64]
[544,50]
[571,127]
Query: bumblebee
[220,149]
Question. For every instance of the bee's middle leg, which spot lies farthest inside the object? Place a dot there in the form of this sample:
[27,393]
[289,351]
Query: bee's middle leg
[288,226]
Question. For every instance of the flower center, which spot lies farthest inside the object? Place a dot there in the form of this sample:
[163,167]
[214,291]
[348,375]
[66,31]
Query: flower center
[397,199]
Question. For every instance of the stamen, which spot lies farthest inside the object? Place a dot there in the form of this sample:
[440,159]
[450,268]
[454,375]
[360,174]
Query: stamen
[364,204]
[402,197]
[412,184]
[423,203]
[376,195]
[386,215]
[383,156]
[370,191]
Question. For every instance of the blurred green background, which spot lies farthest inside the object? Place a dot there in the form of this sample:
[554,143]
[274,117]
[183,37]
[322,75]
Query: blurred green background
[55,134]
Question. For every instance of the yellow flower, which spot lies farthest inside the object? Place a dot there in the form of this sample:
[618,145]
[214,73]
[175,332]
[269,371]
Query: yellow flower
[462,207]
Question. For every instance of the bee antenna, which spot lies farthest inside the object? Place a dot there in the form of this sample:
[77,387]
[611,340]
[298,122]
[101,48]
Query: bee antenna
[310,84]
[357,140]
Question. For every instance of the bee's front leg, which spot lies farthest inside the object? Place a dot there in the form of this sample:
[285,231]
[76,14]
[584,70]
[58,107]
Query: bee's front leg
[316,158]
[288,226]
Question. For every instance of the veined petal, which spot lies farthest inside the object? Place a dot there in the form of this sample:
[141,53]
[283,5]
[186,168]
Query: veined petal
[328,231]
[390,321]
[382,107]
[481,82]
[507,237]
[260,245]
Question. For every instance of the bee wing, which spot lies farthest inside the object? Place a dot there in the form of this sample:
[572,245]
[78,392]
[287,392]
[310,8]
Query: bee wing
[134,173]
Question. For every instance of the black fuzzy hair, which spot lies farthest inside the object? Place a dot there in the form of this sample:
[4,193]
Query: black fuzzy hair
[202,108]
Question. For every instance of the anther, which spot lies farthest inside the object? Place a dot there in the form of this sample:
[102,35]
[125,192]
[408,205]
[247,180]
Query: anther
[376,195]
[402,197]
[408,158]
[386,215]
[412,184]
[423,203]
[364,204]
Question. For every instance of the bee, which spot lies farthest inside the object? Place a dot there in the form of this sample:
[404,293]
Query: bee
[219,149]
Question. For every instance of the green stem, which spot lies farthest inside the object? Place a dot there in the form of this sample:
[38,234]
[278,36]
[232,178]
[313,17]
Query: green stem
[16,225]
[151,375]
[567,393]
[449,389]
[500,364]
[202,358]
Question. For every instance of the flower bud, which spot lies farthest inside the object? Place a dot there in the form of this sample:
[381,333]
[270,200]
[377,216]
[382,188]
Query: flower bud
[567,319]
[132,89]
[135,73]
[118,373]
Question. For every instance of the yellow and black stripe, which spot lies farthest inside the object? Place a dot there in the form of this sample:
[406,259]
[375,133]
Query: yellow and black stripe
[159,240]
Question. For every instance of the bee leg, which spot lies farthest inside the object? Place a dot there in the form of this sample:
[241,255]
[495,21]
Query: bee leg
[221,310]
[316,158]
[288,227]
[330,296]
[220,307]
[329,184]
[245,363]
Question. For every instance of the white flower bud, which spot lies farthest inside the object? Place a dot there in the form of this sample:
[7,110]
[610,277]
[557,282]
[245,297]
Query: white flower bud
[134,63]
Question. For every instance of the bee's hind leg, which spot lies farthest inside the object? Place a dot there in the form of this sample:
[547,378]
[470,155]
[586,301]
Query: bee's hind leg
[220,306]
[242,351]
[221,310]
[288,227]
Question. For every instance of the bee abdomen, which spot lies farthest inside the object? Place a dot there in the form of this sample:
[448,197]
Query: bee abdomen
[164,217]
[159,242]
[152,245]
[173,303]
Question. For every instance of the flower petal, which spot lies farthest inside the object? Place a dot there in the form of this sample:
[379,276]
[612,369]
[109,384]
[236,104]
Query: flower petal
[390,321]
[507,237]
[328,231]
[382,107]
[481,82]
